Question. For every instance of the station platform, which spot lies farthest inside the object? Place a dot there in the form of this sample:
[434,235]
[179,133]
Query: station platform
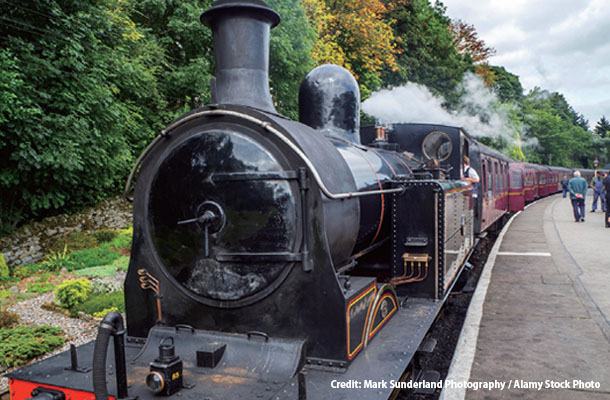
[539,321]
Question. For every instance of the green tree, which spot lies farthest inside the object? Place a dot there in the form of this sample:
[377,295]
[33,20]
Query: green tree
[506,85]
[189,50]
[558,130]
[188,58]
[356,35]
[426,50]
[602,128]
[290,55]
[78,99]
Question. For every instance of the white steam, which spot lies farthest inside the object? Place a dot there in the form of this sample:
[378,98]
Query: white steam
[480,112]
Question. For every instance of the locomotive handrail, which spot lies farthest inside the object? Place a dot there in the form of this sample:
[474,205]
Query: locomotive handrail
[267,126]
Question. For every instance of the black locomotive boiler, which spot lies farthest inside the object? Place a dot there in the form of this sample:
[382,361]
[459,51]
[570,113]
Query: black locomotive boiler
[274,258]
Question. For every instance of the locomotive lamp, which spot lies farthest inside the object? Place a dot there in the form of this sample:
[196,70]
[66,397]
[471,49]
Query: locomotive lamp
[165,376]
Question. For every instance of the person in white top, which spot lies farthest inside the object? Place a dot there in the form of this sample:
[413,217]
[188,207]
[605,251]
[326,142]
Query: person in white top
[469,174]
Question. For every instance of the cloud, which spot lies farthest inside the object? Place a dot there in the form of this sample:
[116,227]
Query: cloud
[559,45]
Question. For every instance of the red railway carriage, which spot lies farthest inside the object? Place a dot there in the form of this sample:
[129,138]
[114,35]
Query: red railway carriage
[553,181]
[530,187]
[493,168]
[561,172]
[516,189]
[540,181]
[543,179]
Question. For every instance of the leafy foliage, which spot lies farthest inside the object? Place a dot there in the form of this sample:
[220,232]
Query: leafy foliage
[56,261]
[290,56]
[120,264]
[102,314]
[560,131]
[122,241]
[97,303]
[72,292]
[74,241]
[23,271]
[97,272]
[106,286]
[40,287]
[92,257]
[354,35]
[78,99]
[467,42]
[8,319]
[425,47]
[24,342]
[4,270]
[104,235]
[506,85]
[602,128]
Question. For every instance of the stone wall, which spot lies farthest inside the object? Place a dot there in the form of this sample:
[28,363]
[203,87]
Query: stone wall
[30,243]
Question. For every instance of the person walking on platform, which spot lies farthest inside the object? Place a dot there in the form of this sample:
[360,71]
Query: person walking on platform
[564,185]
[597,184]
[607,197]
[578,187]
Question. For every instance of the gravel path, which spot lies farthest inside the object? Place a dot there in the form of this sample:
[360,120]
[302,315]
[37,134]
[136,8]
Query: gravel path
[76,331]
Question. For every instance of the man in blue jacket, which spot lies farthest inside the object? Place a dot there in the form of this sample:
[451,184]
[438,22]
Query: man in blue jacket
[578,187]
[597,184]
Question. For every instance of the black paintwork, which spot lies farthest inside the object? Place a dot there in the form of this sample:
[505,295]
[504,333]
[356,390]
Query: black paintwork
[240,30]
[329,101]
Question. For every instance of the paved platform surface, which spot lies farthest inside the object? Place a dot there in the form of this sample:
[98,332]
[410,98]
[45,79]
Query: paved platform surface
[545,316]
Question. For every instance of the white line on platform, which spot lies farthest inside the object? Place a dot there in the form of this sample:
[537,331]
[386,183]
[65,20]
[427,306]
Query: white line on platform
[459,371]
[510,253]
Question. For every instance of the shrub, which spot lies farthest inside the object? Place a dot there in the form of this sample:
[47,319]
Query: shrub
[23,271]
[8,319]
[121,263]
[4,271]
[97,272]
[74,241]
[73,292]
[104,235]
[100,302]
[57,261]
[24,342]
[106,286]
[93,257]
[40,287]
[102,314]
[123,240]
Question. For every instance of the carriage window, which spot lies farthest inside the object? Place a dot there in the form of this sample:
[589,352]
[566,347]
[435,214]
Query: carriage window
[516,179]
[484,184]
[490,183]
[501,178]
[496,174]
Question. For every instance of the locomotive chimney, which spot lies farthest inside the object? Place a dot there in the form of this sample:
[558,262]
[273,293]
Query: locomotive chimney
[240,29]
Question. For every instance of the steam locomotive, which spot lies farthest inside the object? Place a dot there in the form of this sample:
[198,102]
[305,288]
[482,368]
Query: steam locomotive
[273,258]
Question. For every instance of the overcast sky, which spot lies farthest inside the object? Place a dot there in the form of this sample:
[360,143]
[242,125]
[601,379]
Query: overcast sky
[559,45]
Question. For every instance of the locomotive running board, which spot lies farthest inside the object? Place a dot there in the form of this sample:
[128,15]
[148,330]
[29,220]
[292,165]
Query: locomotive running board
[252,366]
[385,360]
